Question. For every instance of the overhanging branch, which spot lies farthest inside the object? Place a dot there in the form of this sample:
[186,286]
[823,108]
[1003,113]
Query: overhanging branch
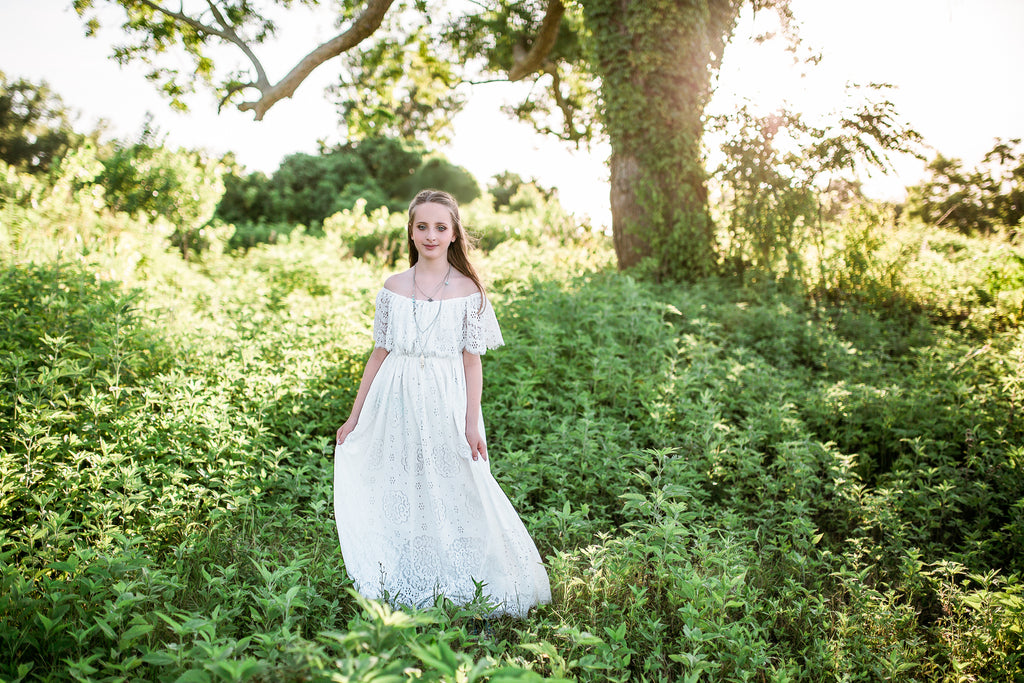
[226,33]
[194,23]
[261,75]
[563,104]
[526,63]
[363,27]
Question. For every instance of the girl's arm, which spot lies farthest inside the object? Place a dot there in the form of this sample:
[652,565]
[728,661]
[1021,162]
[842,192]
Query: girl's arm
[474,389]
[372,366]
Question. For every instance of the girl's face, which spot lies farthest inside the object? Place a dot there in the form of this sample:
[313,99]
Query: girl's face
[432,230]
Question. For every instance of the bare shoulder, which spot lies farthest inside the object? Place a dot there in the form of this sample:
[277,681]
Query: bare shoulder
[400,283]
[461,285]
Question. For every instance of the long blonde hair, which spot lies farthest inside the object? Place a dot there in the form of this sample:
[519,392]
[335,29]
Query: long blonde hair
[458,251]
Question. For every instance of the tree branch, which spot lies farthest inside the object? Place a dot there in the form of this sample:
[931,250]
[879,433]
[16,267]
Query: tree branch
[261,76]
[484,81]
[571,134]
[526,63]
[185,19]
[227,34]
[364,26]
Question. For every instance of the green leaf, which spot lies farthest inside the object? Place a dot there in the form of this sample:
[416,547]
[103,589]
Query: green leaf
[134,633]
[437,656]
[105,627]
[193,676]
[159,658]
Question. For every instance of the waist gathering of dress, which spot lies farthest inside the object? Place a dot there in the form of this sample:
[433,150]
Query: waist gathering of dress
[417,517]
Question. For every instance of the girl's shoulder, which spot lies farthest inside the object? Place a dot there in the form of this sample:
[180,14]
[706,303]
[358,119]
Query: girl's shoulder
[400,283]
[461,286]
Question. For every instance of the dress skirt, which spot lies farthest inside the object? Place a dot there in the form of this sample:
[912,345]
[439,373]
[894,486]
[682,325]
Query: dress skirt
[417,517]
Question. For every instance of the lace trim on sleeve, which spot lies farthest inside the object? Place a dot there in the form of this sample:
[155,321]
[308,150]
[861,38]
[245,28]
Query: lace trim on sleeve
[383,335]
[480,330]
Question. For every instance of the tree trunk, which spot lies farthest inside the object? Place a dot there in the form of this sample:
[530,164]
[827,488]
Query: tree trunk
[655,60]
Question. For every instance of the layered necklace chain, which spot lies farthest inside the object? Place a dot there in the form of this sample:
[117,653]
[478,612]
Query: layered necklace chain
[442,283]
[422,332]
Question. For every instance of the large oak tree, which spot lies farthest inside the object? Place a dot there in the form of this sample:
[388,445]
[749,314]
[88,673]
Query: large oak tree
[637,71]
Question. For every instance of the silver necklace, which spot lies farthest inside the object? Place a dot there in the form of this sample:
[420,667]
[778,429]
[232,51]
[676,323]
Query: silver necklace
[422,332]
[443,283]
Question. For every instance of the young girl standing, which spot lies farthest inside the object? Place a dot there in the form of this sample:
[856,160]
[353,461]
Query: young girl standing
[417,509]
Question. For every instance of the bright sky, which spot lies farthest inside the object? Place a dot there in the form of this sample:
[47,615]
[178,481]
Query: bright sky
[954,63]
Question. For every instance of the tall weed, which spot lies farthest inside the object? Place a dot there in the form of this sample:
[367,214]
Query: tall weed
[728,482]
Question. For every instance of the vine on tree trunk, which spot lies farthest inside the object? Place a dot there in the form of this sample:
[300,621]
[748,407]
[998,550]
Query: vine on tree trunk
[655,60]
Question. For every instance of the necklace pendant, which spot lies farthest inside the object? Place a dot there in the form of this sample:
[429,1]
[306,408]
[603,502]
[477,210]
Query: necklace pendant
[421,360]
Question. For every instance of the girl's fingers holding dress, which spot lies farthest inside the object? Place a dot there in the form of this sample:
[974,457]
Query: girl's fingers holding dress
[343,432]
[477,448]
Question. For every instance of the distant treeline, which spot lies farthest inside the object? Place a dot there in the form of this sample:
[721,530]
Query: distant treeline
[144,176]
[768,201]
[306,188]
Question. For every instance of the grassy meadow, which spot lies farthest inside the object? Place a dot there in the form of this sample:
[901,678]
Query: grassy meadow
[811,478]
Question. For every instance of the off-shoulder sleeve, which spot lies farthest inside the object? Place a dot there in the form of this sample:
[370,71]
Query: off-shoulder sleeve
[383,333]
[481,331]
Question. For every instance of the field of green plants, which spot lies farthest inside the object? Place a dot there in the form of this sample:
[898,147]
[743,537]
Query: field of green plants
[750,479]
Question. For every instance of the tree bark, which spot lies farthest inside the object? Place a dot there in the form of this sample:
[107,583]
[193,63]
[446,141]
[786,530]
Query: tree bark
[655,59]
[528,62]
[625,175]
[361,29]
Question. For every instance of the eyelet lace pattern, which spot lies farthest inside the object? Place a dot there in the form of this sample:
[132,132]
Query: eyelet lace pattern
[401,325]
[416,515]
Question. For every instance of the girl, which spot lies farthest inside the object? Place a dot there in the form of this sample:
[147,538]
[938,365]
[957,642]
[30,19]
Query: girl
[417,509]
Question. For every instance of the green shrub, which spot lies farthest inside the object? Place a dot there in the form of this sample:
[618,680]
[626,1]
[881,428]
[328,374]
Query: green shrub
[441,174]
[248,235]
[983,200]
[727,481]
[36,129]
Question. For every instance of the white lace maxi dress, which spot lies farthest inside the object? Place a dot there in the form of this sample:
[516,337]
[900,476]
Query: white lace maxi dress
[417,516]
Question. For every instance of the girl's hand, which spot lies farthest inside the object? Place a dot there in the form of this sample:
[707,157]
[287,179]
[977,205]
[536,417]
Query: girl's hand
[477,447]
[345,430]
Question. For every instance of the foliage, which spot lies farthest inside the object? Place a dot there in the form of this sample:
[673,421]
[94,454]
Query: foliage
[728,482]
[768,194]
[563,96]
[40,219]
[35,126]
[777,172]
[380,236]
[306,189]
[639,74]
[505,185]
[399,87]
[246,198]
[982,200]
[441,173]
[303,190]
[973,285]
[94,198]
[181,186]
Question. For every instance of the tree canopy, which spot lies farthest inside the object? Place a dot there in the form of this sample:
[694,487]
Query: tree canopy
[36,127]
[306,189]
[979,200]
[639,73]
